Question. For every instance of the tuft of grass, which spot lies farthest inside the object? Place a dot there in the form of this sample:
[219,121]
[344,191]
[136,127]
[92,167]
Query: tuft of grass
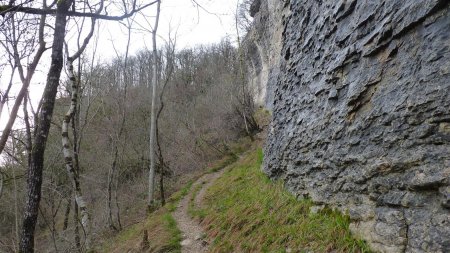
[247,212]
[173,244]
[172,202]
[193,210]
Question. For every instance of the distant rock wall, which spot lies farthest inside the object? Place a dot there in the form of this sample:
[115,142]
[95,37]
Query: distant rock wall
[263,45]
[361,113]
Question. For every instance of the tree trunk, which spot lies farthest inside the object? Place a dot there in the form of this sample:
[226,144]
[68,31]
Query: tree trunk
[151,177]
[161,186]
[16,209]
[109,191]
[113,174]
[116,199]
[34,180]
[1,183]
[162,165]
[77,227]
[68,155]
[66,214]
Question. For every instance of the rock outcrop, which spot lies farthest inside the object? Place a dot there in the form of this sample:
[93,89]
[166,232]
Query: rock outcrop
[361,112]
[263,45]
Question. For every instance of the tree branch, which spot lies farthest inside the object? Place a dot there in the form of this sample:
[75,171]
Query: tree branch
[29,10]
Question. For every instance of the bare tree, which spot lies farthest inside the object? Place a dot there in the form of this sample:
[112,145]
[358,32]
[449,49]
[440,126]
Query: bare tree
[121,104]
[197,91]
[163,168]
[151,176]
[246,104]
[13,36]
[245,11]
[67,151]
[61,12]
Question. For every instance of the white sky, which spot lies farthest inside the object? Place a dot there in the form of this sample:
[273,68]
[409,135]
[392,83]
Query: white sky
[193,25]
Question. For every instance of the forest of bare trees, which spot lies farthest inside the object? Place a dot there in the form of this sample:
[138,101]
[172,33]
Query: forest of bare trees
[75,166]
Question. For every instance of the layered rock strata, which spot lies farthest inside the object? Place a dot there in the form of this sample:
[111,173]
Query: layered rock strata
[361,112]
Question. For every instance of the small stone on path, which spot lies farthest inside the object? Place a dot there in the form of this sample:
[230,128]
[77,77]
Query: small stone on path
[186,242]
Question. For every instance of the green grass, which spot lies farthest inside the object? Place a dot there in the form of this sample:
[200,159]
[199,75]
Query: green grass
[245,212]
[173,244]
[225,162]
[172,202]
[249,213]
[163,233]
[193,210]
[236,150]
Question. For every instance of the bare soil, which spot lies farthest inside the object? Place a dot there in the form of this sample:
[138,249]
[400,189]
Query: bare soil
[194,240]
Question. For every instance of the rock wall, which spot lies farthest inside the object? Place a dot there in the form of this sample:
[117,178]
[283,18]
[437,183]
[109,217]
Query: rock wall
[263,46]
[361,114]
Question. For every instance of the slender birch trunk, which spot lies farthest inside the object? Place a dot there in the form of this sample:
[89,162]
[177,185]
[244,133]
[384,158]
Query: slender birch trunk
[71,155]
[77,227]
[68,155]
[151,177]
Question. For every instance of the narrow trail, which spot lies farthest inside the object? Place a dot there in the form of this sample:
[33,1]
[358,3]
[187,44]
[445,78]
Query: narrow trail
[192,232]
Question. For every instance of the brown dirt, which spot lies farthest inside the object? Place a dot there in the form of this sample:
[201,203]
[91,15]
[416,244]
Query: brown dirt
[194,240]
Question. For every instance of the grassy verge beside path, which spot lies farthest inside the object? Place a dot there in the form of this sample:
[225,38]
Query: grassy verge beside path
[246,212]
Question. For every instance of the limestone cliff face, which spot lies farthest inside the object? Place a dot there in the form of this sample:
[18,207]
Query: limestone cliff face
[361,112]
[263,46]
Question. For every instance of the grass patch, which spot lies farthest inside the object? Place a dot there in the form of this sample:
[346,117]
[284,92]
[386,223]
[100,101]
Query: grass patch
[224,162]
[249,213]
[163,233]
[173,244]
[172,202]
[235,151]
[193,210]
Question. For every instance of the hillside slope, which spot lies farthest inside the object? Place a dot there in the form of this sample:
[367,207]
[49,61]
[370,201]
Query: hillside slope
[241,211]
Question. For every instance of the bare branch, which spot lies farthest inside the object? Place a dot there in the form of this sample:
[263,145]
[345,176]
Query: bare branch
[25,81]
[29,10]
